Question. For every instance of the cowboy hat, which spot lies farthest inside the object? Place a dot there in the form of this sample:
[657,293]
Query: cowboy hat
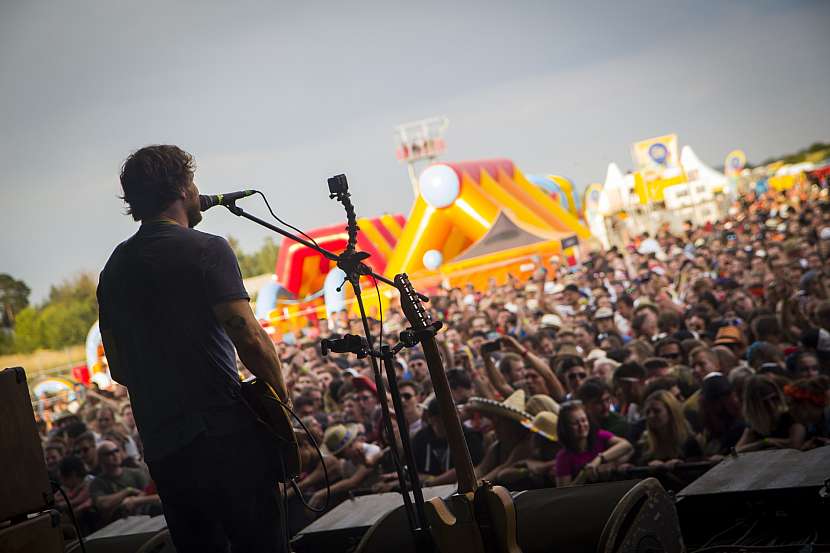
[338,437]
[729,335]
[512,408]
[541,402]
[543,424]
[565,351]
[551,320]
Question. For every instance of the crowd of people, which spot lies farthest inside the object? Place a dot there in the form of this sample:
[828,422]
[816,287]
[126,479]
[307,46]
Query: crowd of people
[679,349]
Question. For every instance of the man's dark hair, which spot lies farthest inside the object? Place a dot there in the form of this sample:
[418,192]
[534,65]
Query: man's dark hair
[75,429]
[664,343]
[302,401]
[85,437]
[632,369]
[458,378]
[570,362]
[765,327]
[153,177]
[669,320]
[414,385]
[592,390]
[617,354]
[662,383]
[625,299]
[654,364]
[71,465]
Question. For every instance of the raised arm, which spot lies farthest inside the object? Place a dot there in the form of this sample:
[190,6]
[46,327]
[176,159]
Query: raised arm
[496,378]
[254,346]
[539,365]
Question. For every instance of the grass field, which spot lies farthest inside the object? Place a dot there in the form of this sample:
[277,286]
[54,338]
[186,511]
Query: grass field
[42,362]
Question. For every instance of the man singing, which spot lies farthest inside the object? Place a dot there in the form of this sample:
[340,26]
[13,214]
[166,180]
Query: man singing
[172,308]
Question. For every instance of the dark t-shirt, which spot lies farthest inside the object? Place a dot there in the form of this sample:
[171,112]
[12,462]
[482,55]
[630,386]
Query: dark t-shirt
[432,454]
[155,296]
[616,424]
[106,485]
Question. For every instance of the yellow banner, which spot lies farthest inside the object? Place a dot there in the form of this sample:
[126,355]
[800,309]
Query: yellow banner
[735,162]
[658,157]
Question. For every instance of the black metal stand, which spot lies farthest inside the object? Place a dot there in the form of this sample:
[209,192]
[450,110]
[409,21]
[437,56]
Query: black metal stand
[351,262]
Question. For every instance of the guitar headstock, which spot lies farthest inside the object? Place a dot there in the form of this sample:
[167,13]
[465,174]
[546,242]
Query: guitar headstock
[411,303]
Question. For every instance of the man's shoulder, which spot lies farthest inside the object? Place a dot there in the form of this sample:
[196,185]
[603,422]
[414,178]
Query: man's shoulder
[136,475]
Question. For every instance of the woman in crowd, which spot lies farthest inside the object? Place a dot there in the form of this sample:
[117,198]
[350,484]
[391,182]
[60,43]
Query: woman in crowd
[668,438]
[720,413]
[769,424]
[583,445]
[809,403]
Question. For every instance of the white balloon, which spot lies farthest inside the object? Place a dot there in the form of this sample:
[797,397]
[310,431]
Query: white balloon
[433,259]
[439,185]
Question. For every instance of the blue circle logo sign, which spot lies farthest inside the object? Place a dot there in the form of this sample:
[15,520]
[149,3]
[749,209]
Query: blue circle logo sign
[658,152]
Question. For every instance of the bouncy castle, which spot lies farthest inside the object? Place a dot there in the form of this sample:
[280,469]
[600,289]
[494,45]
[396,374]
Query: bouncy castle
[470,222]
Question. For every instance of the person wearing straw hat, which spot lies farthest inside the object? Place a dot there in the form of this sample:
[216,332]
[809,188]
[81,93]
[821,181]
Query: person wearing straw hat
[534,471]
[513,442]
[546,445]
[359,460]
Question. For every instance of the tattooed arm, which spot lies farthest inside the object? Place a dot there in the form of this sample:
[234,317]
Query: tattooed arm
[255,348]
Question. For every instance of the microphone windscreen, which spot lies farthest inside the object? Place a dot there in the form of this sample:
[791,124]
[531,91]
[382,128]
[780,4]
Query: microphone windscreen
[205,202]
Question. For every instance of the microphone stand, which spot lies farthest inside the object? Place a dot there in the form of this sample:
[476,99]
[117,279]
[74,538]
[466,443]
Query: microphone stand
[351,262]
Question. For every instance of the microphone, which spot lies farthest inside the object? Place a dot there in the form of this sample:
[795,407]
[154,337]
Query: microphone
[206,202]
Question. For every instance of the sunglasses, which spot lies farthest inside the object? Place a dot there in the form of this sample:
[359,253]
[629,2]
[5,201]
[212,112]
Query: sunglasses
[81,450]
[110,452]
[671,355]
[406,396]
[577,376]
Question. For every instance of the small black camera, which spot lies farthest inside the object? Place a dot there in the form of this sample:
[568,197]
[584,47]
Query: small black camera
[338,185]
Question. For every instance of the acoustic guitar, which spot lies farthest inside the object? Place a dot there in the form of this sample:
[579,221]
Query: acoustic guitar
[479,517]
[281,442]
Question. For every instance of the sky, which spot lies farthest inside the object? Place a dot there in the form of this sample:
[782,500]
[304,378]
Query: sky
[279,96]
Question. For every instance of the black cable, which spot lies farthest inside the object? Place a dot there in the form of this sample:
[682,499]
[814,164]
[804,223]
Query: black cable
[380,314]
[57,487]
[283,222]
[722,533]
[284,513]
[319,454]
[747,533]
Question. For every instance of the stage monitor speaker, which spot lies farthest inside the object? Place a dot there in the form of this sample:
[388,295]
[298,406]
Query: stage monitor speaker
[776,490]
[24,486]
[39,534]
[342,528]
[630,517]
[135,534]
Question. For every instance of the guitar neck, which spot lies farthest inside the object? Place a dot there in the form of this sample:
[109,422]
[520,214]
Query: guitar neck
[464,470]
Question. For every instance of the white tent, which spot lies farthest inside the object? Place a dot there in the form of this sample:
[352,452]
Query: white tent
[614,192]
[699,172]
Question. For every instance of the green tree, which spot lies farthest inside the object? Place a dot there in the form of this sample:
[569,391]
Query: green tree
[267,256]
[260,262]
[14,296]
[28,330]
[62,320]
